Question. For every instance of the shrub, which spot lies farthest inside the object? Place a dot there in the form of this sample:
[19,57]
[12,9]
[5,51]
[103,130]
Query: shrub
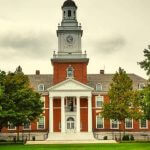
[105,137]
[125,138]
[131,137]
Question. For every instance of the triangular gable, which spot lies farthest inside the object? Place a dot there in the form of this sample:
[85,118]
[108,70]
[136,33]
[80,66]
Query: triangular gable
[69,85]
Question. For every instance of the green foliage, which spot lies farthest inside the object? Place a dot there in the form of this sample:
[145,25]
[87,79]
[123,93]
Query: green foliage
[145,64]
[121,98]
[145,103]
[125,138]
[124,102]
[131,137]
[19,102]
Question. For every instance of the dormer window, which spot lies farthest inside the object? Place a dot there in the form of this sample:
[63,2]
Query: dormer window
[70,72]
[41,87]
[99,87]
[141,86]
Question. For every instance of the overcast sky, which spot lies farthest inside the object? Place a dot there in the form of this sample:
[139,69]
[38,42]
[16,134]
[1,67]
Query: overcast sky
[115,33]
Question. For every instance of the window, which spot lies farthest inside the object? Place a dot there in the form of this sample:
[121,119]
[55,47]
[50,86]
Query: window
[143,124]
[114,124]
[141,86]
[70,72]
[99,87]
[69,13]
[27,126]
[99,101]
[41,123]
[74,13]
[129,123]
[11,126]
[41,87]
[99,122]
[64,13]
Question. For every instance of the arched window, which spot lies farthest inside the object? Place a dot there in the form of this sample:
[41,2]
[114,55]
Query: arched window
[99,87]
[41,87]
[70,72]
[69,13]
[70,119]
[64,13]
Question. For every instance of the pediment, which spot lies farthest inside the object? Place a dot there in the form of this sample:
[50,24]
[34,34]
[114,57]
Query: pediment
[70,85]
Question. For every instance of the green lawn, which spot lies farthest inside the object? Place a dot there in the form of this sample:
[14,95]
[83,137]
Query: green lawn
[123,146]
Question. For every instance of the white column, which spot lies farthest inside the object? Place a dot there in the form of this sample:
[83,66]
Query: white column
[78,114]
[89,114]
[62,114]
[51,114]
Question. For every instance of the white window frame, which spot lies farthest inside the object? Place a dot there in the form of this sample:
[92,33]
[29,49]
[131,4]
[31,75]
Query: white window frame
[9,128]
[72,72]
[28,128]
[97,121]
[141,84]
[126,126]
[101,87]
[38,124]
[43,87]
[111,121]
[143,127]
[102,97]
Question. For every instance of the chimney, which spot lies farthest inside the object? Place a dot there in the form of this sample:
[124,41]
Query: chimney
[102,72]
[37,72]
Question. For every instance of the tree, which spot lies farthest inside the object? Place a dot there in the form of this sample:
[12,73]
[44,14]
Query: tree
[145,64]
[145,102]
[26,105]
[4,115]
[122,99]
[145,93]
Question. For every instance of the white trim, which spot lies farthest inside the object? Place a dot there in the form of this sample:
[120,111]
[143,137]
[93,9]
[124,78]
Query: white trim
[90,114]
[28,128]
[11,129]
[96,99]
[78,127]
[111,124]
[143,127]
[140,85]
[38,124]
[125,124]
[88,88]
[101,87]
[72,72]
[96,122]
[43,87]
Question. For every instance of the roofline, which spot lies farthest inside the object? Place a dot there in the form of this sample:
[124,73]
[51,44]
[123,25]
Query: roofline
[70,79]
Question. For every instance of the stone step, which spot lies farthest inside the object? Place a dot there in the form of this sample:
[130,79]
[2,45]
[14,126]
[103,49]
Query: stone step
[70,136]
[73,142]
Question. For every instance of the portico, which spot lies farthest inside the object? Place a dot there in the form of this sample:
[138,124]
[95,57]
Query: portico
[70,92]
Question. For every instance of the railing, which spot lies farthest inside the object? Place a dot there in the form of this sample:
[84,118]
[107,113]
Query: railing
[70,109]
[69,56]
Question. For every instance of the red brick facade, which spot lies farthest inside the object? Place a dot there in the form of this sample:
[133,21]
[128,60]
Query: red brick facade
[80,71]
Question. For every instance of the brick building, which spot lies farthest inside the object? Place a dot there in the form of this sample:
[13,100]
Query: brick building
[72,98]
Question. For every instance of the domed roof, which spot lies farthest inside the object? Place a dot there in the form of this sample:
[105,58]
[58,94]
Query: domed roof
[69,3]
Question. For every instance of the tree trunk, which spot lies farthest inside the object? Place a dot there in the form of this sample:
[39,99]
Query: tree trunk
[18,133]
[124,130]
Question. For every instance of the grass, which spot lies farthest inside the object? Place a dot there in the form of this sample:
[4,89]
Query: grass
[122,146]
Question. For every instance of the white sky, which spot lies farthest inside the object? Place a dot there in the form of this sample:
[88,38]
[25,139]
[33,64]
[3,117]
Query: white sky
[115,33]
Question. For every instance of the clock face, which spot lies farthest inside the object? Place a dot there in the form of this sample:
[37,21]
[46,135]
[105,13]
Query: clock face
[69,39]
